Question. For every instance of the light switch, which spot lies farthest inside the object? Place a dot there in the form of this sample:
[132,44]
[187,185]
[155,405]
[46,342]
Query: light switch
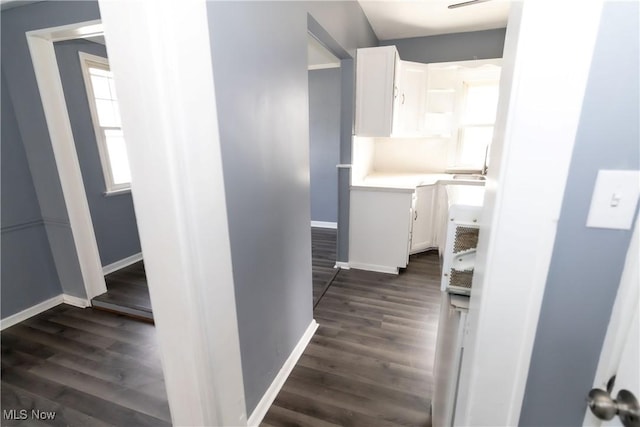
[614,199]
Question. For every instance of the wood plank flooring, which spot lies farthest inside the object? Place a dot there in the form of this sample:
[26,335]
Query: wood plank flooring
[91,368]
[371,361]
[127,293]
[369,364]
[323,259]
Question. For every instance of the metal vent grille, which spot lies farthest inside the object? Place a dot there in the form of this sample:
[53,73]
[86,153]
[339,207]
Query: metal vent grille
[460,279]
[466,238]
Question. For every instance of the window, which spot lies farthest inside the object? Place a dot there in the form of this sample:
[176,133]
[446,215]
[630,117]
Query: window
[476,124]
[105,113]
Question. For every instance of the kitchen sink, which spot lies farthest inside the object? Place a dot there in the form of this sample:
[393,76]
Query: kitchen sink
[470,177]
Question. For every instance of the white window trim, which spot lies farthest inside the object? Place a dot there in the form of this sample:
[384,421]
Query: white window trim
[87,60]
[462,125]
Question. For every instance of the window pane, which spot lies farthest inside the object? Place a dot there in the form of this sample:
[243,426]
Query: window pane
[100,87]
[481,104]
[118,159]
[99,72]
[473,145]
[108,113]
[112,86]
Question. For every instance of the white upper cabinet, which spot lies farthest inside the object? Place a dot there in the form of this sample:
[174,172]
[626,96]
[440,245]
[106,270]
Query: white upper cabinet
[376,90]
[410,103]
[390,94]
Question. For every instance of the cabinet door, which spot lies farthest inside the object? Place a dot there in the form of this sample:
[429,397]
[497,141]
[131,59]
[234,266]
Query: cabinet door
[379,229]
[423,235]
[410,104]
[375,90]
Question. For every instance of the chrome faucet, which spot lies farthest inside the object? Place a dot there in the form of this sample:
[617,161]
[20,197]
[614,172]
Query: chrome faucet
[485,166]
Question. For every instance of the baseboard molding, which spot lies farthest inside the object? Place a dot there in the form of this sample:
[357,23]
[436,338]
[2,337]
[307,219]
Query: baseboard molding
[75,301]
[343,265]
[374,267]
[270,395]
[30,312]
[324,224]
[115,266]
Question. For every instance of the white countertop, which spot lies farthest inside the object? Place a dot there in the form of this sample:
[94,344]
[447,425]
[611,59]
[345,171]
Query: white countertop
[400,181]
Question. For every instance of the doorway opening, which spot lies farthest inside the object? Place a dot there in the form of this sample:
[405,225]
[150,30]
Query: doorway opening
[92,105]
[324,154]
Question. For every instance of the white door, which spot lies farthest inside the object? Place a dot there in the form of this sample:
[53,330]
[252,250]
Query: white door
[620,354]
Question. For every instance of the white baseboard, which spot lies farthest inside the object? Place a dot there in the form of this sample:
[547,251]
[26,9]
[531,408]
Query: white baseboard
[343,265]
[270,395]
[324,224]
[115,266]
[75,301]
[373,267]
[30,312]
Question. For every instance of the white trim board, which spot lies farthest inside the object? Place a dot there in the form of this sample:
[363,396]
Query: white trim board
[41,307]
[324,224]
[47,74]
[125,262]
[343,265]
[373,267]
[30,312]
[534,39]
[183,229]
[76,301]
[270,395]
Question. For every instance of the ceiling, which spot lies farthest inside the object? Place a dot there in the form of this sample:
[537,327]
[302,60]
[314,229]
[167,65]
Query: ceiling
[399,19]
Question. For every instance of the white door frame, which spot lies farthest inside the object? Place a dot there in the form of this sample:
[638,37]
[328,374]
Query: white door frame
[531,153]
[170,123]
[47,74]
[623,313]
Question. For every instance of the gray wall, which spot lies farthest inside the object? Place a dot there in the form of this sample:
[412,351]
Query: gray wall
[324,142]
[259,54]
[23,92]
[28,273]
[113,217]
[587,262]
[451,47]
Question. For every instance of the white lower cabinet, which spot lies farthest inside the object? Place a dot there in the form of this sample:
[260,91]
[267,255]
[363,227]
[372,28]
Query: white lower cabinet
[380,228]
[423,234]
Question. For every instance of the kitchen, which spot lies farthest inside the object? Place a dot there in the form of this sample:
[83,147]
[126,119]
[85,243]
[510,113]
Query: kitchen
[420,155]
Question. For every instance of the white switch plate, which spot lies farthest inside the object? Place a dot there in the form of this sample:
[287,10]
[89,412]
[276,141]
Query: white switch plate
[614,199]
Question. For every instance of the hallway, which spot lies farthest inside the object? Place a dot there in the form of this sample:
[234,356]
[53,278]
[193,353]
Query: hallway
[370,362]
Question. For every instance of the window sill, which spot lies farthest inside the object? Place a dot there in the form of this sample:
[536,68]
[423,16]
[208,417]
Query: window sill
[117,192]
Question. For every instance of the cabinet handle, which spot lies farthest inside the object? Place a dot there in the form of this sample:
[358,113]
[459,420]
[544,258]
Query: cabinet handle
[402,99]
[415,215]
[395,92]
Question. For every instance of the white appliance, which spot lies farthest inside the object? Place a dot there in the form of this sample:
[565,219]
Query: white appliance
[458,262]
[464,209]
[449,352]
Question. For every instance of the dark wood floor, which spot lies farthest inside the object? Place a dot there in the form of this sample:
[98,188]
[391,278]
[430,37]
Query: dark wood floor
[92,368]
[371,361]
[127,293]
[369,364]
[323,259]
